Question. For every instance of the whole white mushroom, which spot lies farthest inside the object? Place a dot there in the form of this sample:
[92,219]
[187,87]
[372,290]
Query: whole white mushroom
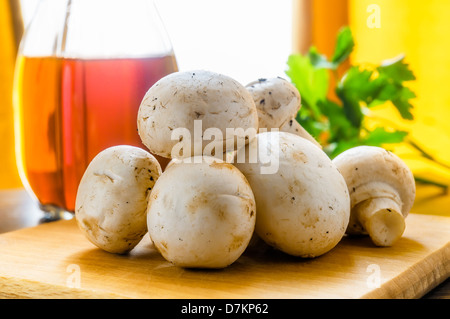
[201,215]
[278,102]
[303,207]
[182,99]
[382,191]
[112,197]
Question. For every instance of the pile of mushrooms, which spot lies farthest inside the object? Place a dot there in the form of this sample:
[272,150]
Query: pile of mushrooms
[219,191]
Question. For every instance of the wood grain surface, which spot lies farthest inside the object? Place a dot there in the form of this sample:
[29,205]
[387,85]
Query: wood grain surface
[55,260]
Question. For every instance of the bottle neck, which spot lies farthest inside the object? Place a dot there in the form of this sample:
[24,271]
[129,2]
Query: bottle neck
[96,29]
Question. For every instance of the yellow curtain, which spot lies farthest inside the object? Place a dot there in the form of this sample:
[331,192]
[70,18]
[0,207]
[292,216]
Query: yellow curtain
[421,31]
[10,32]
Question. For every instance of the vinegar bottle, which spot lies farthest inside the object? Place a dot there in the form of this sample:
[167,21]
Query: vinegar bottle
[82,71]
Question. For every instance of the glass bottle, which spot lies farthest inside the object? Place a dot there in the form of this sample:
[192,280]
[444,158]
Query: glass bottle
[82,70]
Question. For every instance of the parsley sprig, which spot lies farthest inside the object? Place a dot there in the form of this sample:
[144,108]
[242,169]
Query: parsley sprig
[339,124]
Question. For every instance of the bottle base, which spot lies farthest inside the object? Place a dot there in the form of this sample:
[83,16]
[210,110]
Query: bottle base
[54,213]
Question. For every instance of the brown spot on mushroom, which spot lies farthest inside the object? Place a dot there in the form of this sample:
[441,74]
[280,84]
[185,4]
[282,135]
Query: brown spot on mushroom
[221,214]
[276,106]
[237,242]
[155,194]
[107,177]
[198,201]
[92,227]
[300,156]
[395,170]
[222,166]
[198,114]
[161,246]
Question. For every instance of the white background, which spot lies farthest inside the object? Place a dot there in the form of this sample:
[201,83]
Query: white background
[245,39]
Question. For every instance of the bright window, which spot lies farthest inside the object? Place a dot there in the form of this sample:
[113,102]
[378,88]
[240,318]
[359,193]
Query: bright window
[246,40]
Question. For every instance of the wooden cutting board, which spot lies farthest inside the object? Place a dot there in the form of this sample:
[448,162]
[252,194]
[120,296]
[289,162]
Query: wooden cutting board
[55,260]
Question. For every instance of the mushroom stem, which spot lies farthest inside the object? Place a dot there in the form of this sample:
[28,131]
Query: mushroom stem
[382,219]
[292,126]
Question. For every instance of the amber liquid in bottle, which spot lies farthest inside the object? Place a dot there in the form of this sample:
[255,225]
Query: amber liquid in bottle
[68,110]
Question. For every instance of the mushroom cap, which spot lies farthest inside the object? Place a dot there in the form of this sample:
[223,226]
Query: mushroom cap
[180,98]
[112,197]
[303,208]
[277,101]
[372,171]
[201,214]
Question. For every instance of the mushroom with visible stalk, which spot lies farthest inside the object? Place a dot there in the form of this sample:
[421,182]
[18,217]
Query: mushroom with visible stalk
[382,191]
[278,103]
[112,197]
[201,214]
[302,204]
[180,99]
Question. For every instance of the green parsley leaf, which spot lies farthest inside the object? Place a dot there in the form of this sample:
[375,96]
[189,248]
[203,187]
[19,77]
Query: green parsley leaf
[335,148]
[319,61]
[401,102]
[344,46]
[311,82]
[394,72]
[396,69]
[379,136]
[340,124]
[353,88]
